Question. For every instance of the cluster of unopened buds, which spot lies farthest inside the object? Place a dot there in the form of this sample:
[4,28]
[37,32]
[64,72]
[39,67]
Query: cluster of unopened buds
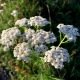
[38,40]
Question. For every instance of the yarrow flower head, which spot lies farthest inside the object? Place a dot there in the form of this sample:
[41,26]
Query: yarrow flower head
[38,21]
[22,22]
[50,37]
[14,13]
[42,36]
[37,39]
[56,57]
[22,51]
[70,32]
[9,36]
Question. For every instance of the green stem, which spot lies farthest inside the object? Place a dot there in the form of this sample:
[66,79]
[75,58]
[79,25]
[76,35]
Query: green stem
[66,41]
[62,41]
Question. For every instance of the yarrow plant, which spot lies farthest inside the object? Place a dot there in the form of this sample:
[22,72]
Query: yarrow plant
[29,47]
[38,40]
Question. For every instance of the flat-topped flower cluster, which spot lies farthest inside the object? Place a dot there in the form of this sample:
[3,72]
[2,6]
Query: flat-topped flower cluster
[9,37]
[33,21]
[38,40]
[70,32]
[56,56]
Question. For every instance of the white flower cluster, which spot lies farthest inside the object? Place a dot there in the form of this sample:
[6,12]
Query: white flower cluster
[9,36]
[39,39]
[21,22]
[38,21]
[56,57]
[43,37]
[70,32]
[14,13]
[33,21]
[22,51]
